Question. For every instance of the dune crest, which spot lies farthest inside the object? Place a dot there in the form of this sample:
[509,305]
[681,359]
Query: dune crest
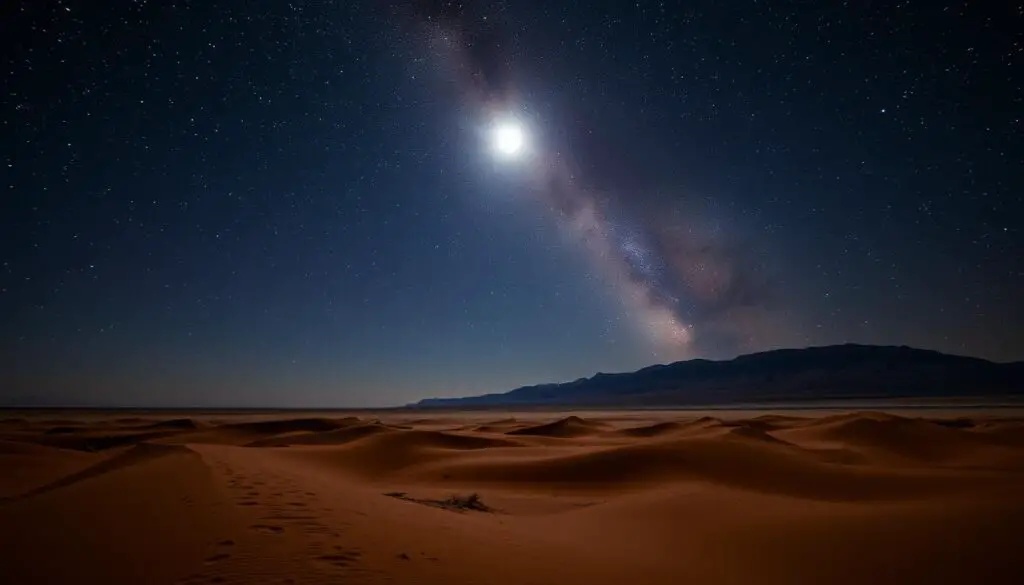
[134,455]
[295,425]
[653,430]
[890,436]
[187,424]
[568,427]
[338,436]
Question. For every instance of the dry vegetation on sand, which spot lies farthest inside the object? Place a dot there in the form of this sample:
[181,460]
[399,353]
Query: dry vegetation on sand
[506,498]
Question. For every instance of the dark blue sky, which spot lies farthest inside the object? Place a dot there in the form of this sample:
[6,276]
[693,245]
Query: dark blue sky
[289,204]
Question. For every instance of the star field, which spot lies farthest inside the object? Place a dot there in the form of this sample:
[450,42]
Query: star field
[270,203]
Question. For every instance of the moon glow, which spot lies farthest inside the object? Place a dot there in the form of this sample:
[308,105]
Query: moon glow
[508,139]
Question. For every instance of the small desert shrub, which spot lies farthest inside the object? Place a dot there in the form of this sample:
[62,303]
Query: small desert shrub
[454,502]
[470,502]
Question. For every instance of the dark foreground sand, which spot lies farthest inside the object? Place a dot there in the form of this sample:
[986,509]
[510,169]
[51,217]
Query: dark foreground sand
[598,498]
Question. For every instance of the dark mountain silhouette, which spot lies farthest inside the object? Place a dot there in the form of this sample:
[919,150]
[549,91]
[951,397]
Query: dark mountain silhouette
[814,373]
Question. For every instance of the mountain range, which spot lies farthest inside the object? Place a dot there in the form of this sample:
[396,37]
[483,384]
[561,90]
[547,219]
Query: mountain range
[847,371]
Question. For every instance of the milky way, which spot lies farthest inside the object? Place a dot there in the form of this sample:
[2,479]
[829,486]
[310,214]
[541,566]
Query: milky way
[678,285]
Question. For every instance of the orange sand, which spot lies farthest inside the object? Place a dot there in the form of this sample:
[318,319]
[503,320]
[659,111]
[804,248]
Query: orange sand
[594,498]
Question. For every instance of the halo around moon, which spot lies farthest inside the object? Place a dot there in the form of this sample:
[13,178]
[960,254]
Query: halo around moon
[508,139]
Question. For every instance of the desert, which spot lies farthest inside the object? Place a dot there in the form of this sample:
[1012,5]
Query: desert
[482,292]
[504,497]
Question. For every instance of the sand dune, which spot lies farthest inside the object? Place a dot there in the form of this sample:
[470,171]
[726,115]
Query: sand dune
[570,426]
[1009,432]
[754,433]
[100,440]
[586,498]
[335,436]
[752,464]
[904,440]
[777,421]
[139,518]
[175,423]
[496,426]
[704,425]
[133,455]
[295,425]
[382,455]
[652,430]
[27,465]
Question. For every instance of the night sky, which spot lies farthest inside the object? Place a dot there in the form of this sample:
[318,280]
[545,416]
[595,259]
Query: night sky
[271,203]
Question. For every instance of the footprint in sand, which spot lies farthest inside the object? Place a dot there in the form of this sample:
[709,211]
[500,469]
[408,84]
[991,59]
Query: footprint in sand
[341,559]
[216,558]
[195,579]
[289,518]
[267,528]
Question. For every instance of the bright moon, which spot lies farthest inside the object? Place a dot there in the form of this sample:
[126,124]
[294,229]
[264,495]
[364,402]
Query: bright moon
[508,139]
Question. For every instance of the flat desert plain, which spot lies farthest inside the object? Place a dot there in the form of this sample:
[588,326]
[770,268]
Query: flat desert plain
[512,498]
